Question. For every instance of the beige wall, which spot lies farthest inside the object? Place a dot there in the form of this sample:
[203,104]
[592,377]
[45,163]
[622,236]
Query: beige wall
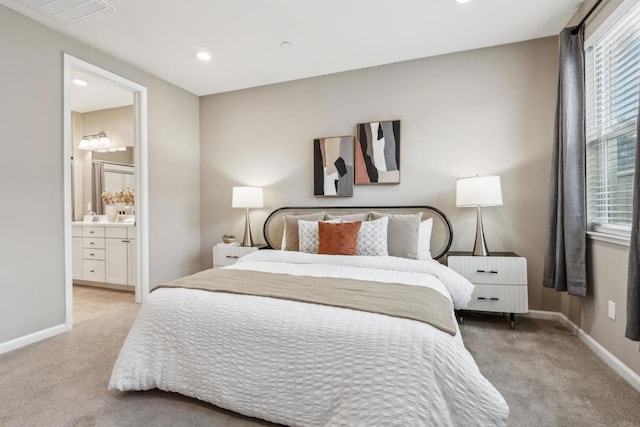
[607,281]
[597,18]
[608,277]
[116,123]
[31,219]
[487,111]
[607,265]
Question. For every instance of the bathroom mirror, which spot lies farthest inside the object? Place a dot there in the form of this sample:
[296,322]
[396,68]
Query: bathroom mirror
[111,172]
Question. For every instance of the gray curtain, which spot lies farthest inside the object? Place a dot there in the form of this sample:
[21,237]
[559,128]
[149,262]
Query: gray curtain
[633,282]
[565,255]
[97,172]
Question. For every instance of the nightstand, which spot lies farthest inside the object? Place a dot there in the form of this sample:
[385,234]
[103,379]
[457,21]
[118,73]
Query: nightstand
[500,282]
[228,254]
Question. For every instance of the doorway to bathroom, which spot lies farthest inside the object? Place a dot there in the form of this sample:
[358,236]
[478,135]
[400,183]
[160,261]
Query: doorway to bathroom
[105,161]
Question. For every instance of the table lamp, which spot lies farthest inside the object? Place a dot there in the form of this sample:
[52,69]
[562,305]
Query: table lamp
[247,197]
[479,191]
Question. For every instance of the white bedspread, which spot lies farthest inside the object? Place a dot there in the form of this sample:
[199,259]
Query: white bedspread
[306,364]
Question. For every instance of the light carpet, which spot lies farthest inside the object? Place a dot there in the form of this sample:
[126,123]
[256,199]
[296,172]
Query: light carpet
[547,376]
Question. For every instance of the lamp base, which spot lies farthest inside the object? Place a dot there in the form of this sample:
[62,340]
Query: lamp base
[480,246]
[247,240]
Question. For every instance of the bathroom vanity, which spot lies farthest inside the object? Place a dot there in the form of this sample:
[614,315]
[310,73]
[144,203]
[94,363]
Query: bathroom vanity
[104,254]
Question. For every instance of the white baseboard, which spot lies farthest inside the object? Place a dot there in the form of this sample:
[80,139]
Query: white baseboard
[616,364]
[31,338]
[544,315]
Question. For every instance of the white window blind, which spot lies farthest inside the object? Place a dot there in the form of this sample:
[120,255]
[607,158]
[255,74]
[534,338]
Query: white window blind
[612,79]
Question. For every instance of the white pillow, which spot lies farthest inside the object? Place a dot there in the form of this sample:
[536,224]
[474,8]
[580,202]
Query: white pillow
[308,238]
[372,237]
[424,239]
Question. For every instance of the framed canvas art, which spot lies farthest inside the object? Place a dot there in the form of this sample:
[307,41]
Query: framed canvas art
[377,156]
[333,166]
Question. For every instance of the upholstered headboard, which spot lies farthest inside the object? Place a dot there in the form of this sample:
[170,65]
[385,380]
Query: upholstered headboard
[441,235]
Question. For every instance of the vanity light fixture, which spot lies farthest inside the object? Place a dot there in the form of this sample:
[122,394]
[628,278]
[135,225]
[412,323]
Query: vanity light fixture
[80,82]
[203,55]
[96,142]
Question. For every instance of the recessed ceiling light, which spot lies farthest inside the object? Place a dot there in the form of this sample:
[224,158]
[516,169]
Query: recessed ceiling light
[463,1]
[285,44]
[203,56]
[80,82]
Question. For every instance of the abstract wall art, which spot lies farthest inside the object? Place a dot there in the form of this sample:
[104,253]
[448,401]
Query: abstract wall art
[333,166]
[377,157]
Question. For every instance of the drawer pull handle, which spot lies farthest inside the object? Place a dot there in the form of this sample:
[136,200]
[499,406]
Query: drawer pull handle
[92,271]
[490,299]
[124,241]
[487,271]
[92,254]
[233,256]
[92,243]
[91,232]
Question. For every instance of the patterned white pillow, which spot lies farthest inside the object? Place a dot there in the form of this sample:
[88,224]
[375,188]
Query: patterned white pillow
[372,237]
[308,238]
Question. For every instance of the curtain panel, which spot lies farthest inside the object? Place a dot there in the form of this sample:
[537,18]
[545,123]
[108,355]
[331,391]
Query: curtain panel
[97,172]
[565,255]
[633,281]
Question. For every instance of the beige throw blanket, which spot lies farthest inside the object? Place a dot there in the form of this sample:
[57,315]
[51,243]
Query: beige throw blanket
[412,302]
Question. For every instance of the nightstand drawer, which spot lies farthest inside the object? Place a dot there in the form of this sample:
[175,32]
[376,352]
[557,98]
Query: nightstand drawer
[222,260]
[228,255]
[491,270]
[499,298]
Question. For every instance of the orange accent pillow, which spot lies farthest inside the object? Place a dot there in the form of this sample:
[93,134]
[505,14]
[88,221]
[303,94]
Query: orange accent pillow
[338,239]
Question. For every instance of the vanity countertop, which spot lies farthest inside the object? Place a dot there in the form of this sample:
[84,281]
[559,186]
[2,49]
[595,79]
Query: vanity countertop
[129,222]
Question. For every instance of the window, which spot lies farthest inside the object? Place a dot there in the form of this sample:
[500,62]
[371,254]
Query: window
[612,81]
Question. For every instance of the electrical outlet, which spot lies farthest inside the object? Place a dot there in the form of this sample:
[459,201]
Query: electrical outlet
[612,310]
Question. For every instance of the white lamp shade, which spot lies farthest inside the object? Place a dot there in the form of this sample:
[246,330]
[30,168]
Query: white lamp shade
[247,197]
[479,191]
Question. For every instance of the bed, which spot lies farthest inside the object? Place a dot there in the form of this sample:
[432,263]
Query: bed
[307,363]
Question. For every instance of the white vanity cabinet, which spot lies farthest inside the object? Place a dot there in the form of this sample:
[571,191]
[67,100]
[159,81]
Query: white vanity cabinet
[93,253]
[104,254]
[120,257]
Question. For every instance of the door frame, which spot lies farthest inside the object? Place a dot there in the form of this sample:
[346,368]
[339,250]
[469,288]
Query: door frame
[141,171]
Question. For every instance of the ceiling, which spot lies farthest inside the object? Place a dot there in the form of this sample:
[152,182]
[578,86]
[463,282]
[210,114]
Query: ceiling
[327,36]
[98,94]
